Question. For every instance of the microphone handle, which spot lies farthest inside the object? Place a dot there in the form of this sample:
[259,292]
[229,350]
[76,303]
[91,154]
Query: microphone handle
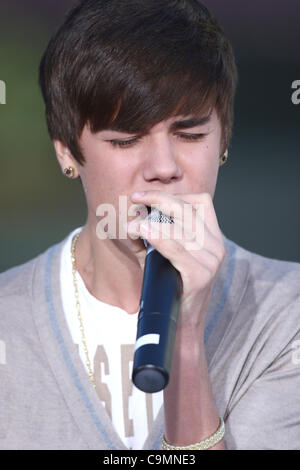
[157,321]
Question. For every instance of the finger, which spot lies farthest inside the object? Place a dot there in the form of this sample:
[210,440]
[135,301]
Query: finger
[170,205]
[183,232]
[175,206]
[137,213]
[181,212]
[203,205]
[174,251]
[191,232]
[194,243]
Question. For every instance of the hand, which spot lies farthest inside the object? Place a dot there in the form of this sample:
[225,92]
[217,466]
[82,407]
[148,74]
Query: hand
[197,254]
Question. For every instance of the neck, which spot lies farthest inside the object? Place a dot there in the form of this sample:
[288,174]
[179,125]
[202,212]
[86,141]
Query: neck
[111,269]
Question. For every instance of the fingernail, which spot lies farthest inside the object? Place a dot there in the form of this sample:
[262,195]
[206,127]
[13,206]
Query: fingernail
[138,194]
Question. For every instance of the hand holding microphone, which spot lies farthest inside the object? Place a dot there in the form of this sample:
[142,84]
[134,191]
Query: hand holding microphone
[157,320]
[179,275]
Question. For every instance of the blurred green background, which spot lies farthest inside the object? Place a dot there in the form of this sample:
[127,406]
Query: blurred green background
[258,191]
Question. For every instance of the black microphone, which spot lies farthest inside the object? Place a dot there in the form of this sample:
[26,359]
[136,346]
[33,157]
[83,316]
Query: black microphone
[157,319]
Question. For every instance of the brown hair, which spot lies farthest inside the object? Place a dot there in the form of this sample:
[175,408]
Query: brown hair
[129,64]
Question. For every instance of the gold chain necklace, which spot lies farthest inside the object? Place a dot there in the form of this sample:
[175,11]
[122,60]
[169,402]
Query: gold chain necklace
[88,362]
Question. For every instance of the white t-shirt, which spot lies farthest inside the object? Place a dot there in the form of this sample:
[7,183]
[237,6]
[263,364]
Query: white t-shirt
[110,334]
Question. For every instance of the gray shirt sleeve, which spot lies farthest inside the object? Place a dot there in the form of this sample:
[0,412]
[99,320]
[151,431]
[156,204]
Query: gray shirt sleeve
[266,415]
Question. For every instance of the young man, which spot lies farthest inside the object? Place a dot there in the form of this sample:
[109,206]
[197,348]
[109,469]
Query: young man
[139,104]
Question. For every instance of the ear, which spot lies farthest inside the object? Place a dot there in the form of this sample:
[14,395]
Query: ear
[64,157]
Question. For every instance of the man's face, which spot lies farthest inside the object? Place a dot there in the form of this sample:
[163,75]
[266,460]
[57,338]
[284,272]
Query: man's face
[179,155]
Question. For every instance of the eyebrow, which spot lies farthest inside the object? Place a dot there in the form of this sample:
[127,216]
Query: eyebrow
[190,122]
[180,124]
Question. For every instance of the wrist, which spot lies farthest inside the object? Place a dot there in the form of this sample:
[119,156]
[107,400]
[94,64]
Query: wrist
[188,396]
[204,444]
[189,343]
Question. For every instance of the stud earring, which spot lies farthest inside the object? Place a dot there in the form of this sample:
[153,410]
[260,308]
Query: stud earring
[224,158]
[69,172]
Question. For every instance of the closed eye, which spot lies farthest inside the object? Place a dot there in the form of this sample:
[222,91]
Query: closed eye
[126,143]
[191,137]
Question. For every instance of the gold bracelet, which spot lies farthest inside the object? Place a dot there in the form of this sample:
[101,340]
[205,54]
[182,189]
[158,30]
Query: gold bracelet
[202,445]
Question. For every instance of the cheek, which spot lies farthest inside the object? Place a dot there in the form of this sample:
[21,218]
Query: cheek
[203,158]
[103,178]
[103,182]
[201,168]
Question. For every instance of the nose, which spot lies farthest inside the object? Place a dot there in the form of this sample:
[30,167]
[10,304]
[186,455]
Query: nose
[161,163]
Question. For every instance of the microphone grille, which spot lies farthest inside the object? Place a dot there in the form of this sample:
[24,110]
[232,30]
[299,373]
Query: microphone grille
[157,216]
